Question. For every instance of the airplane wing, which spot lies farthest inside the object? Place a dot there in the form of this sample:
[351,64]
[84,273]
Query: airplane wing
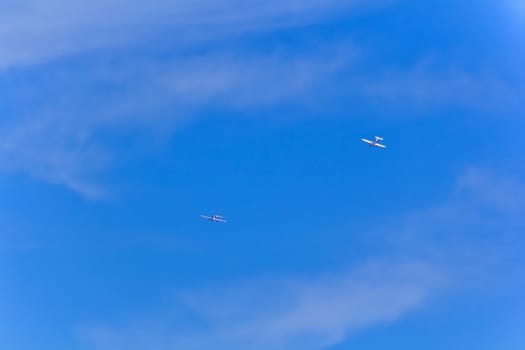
[380,145]
[367,141]
[220,220]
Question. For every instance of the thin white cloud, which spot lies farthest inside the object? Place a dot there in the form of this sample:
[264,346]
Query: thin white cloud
[58,139]
[471,240]
[53,150]
[505,194]
[284,314]
[59,142]
[476,234]
[36,31]
[423,88]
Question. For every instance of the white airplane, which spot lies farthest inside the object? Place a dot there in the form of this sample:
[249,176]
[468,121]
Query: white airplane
[214,218]
[375,143]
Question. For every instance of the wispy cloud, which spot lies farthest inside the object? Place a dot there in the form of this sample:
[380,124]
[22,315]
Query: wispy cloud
[58,140]
[472,240]
[59,144]
[504,194]
[286,313]
[36,31]
[55,151]
[476,234]
[55,135]
[426,87]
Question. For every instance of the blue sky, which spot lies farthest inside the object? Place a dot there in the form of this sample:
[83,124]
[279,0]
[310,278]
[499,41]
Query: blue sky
[122,122]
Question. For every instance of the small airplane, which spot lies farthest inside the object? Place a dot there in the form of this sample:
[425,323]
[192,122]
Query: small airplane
[375,143]
[214,218]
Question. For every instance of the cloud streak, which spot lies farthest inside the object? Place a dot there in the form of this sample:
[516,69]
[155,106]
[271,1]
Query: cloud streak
[60,124]
[471,241]
[424,88]
[60,142]
[476,234]
[54,150]
[285,314]
[36,31]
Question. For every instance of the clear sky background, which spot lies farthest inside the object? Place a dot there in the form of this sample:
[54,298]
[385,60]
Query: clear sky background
[122,121]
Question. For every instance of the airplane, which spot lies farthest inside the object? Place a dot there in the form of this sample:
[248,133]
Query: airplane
[214,218]
[375,142]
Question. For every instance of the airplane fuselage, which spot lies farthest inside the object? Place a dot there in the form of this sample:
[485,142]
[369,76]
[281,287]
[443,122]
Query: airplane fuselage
[373,143]
[215,218]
